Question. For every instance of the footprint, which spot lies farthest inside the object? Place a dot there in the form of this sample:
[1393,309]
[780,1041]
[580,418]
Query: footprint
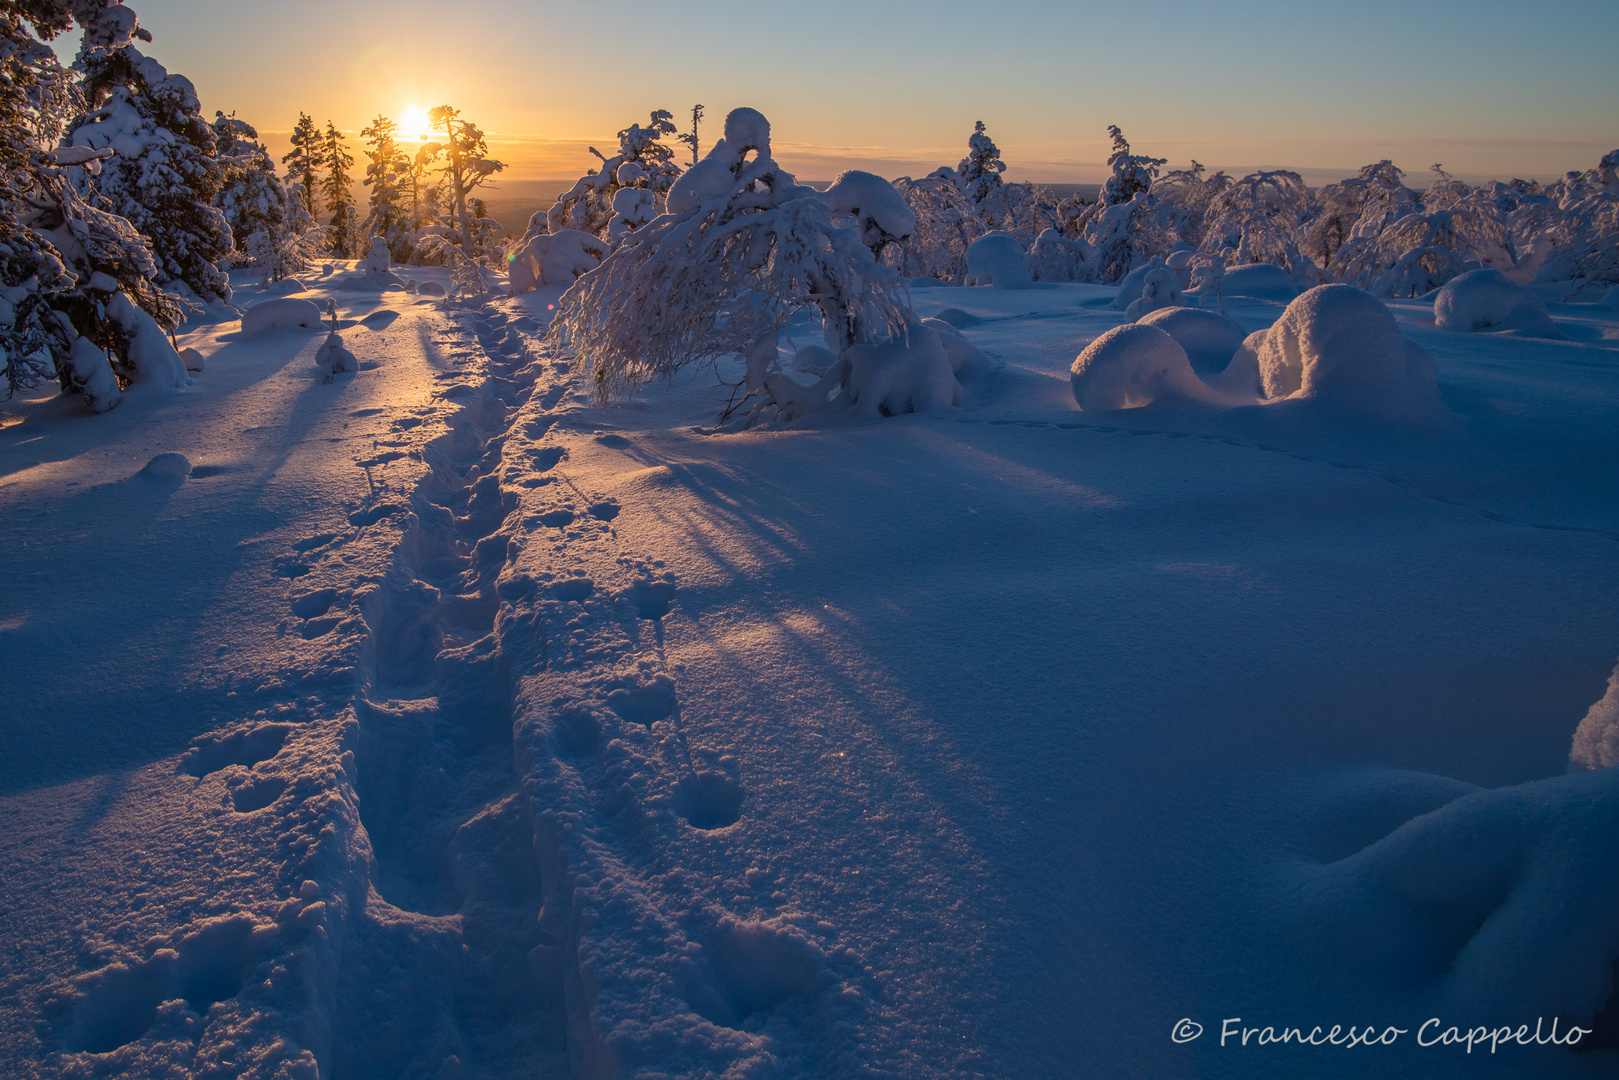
[362,518]
[257,794]
[605,510]
[239,748]
[315,628]
[573,589]
[293,570]
[615,441]
[557,519]
[311,605]
[709,800]
[198,472]
[547,457]
[650,598]
[310,542]
[366,412]
[644,704]
[408,422]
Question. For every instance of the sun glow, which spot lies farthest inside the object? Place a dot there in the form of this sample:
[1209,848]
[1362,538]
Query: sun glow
[413,124]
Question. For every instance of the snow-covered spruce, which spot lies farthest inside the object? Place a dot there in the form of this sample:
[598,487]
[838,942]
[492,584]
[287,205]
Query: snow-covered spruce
[872,206]
[1160,288]
[164,175]
[1133,365]
[555,259]
[744,239]
[592,205]
[1486,300]
[1341,346]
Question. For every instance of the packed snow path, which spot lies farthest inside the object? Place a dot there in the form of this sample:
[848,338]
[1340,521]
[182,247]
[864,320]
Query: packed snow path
[443,724]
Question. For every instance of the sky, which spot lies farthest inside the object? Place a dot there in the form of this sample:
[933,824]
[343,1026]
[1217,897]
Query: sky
[1488,88]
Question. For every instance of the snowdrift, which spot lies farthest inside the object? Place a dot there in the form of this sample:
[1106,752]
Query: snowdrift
[1596,741]
[1486,300]
[285,313]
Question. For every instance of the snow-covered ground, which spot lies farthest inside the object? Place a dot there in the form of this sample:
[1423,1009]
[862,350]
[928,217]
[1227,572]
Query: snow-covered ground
[442,723]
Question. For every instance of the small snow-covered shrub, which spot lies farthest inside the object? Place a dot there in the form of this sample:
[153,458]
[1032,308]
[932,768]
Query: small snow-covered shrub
[377,261]
[998,259]
[1596,740]
[284,313]
[1056,258]
[1132,284]
[1210,340]
[1486,300]
[901,375]
[743,247]
[1341,345]
[1160,288]
[1130,366]
[555,259]
[1259,281]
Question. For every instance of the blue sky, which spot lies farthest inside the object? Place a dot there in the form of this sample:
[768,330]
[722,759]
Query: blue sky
[1487,87]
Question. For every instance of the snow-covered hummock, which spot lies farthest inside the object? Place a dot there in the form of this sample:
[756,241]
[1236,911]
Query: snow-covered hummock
[1210,340]
[556,258]
[1486,300]
[903,376]
[1596,741]
[1259,281]
[153,355]
[280,314]
[997,259]
[1160,288]
[1340,345]
[1130,366]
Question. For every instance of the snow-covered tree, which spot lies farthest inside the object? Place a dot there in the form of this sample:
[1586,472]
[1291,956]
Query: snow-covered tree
[1125,227]
[386,174]
[589,205]
[741,248]
[464,168]
[979,173]
[1368,203]
[252,197]
[303,161]
[77,302]
[164,176]
[690,137]
[1259,219]
[335,190]
[1133,174]
[946,223]
[1585,226]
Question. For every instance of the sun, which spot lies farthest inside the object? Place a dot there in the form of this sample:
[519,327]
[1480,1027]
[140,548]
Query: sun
[412,123]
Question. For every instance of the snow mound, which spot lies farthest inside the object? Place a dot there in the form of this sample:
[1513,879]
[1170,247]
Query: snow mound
[1259,281]
[894,377]
[998,258]
[555,259]
[285,287]
[1241,375]
[1596,741]
[430,288]
[169,466]
[282,314]
[150,350]
[1210,339]
[1341,345]
[335,357]
[193,359]
[1486,300]
[1130,366]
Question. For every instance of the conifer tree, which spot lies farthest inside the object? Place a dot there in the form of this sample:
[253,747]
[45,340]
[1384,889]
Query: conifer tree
[980,171]
[252,198]
[303,161]
[165,175]
[690,138]
[387,172]
[334,188]
[465,167]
